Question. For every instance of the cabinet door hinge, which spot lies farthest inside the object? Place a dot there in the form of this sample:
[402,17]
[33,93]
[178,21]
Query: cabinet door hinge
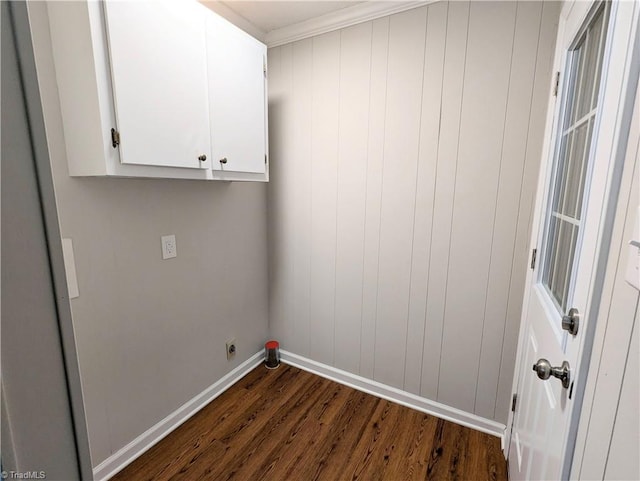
[534,254]
[514,400]
[115,138]
[265,158]
[556,84]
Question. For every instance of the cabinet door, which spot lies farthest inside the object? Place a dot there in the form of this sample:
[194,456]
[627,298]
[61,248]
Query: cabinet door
[237,91]
[159,73]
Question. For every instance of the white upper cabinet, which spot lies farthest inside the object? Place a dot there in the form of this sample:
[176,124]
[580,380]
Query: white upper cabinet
[237,95]
[181,87]
[159,71]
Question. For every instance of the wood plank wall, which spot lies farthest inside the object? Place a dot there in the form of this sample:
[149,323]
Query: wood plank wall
[404,157]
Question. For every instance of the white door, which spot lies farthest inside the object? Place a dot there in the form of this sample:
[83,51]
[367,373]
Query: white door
[593,55]
[158,67]
[237,91]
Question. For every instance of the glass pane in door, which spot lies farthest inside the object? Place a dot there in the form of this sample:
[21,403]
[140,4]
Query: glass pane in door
[584,68]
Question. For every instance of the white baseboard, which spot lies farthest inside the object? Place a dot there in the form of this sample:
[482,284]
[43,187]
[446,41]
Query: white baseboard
[404,398]
[117,461]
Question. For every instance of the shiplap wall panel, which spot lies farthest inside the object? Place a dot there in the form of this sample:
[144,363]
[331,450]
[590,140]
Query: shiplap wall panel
[425,190]
[288,190]
[516,127]
[285,264]
[355,74]
[325,122]
[376,124]
[277,208]
[401,139]
[409,205]
[452,89]
[302,111]
[541,91]
[486,81]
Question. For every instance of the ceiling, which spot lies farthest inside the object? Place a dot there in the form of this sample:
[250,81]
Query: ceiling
[271,15]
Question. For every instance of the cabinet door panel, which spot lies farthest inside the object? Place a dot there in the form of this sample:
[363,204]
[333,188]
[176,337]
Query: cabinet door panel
[237,97]
[158,67]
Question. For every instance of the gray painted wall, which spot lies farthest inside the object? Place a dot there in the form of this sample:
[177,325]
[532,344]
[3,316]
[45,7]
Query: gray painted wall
[151,333]
[404,159]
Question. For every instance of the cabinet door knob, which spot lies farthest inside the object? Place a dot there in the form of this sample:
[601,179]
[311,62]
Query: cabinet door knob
[223,160]
[202,158]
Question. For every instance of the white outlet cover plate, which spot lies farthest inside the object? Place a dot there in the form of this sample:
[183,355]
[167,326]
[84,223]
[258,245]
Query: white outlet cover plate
[169,249]
[70,268]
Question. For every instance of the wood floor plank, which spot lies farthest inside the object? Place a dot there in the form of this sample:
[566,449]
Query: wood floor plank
[290,449]
[250,455]
[239,438]
[413,448]
[290,424]
[332,452]
[448,452]
[372,453]
[316,428]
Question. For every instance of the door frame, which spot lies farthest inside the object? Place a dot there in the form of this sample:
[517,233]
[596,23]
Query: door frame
[621,126]
[21,25]
[604,356]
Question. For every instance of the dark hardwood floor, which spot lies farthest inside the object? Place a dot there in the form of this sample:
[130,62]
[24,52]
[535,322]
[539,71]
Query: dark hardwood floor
[288,424]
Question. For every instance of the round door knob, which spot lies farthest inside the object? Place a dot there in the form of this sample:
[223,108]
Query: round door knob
[202,158]
[223,160]
[543,369]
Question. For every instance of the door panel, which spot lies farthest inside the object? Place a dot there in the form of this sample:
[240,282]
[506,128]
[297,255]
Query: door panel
[541,423]
[594,41]
[43,427]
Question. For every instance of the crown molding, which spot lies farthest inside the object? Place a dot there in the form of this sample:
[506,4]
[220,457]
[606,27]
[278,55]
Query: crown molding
[238,20]
[362,12]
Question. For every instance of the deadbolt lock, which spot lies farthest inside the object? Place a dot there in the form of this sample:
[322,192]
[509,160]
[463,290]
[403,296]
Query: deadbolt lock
[571,322]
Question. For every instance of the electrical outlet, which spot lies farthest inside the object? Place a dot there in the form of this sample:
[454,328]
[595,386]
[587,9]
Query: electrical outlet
[231,349]
[169,249]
